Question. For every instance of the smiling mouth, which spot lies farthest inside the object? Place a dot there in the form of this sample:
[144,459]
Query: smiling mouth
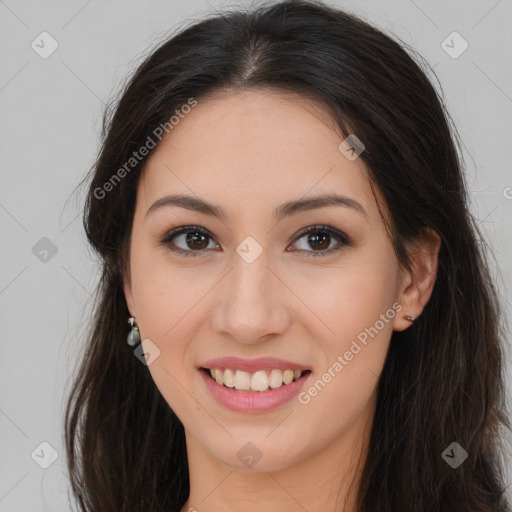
[259,381]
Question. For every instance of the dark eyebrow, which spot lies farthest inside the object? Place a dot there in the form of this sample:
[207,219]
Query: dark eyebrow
[289,208]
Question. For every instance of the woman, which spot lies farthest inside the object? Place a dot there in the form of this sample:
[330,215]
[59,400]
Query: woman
[294,312]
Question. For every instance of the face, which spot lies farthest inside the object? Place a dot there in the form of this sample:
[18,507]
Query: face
[251,284]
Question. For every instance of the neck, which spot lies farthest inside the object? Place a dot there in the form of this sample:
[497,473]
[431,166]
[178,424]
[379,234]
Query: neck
[326,480]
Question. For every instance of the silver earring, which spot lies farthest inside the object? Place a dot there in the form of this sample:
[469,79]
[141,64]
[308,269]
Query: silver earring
[410,318]
[133,337]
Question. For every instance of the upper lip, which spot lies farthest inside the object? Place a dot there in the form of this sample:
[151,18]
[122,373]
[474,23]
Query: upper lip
[252,365]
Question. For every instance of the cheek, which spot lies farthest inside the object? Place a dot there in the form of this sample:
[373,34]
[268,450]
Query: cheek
[160,289]
[162,302]
[351,297]
[168,317]
[357,310]
[345,384]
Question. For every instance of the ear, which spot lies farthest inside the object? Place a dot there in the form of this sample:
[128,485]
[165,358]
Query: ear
[129,297]
[417,284]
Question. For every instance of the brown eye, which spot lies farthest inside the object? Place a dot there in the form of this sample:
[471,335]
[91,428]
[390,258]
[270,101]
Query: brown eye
[193,239]
[196,240]
[319,238]
[318,241]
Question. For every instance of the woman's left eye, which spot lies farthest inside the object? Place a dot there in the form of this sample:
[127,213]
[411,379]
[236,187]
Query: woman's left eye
[195,237]
[321,237]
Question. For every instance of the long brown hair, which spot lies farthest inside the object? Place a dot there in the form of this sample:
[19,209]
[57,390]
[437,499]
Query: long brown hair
[443,378]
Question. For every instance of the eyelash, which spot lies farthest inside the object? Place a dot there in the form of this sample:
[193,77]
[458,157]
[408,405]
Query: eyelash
[343,239]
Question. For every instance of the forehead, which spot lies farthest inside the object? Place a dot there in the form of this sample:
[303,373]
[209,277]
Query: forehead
[254,150]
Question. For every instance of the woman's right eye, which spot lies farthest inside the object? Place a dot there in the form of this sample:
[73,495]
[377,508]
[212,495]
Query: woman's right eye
[188,236]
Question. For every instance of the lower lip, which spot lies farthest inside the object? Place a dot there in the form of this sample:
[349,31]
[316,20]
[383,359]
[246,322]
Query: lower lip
[253,401]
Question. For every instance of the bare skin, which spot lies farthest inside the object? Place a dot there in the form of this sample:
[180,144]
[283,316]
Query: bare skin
[249,153]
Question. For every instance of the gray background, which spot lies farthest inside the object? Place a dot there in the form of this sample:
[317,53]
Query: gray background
[49,133]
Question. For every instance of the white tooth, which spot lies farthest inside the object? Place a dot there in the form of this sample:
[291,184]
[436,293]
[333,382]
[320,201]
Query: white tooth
[288,376]
[212,373]
[242,380]
[229,380]
[296,374]
[219,376]
[259,381]
[275,379]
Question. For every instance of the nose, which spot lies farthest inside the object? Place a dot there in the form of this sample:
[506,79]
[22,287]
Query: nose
[252,303]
